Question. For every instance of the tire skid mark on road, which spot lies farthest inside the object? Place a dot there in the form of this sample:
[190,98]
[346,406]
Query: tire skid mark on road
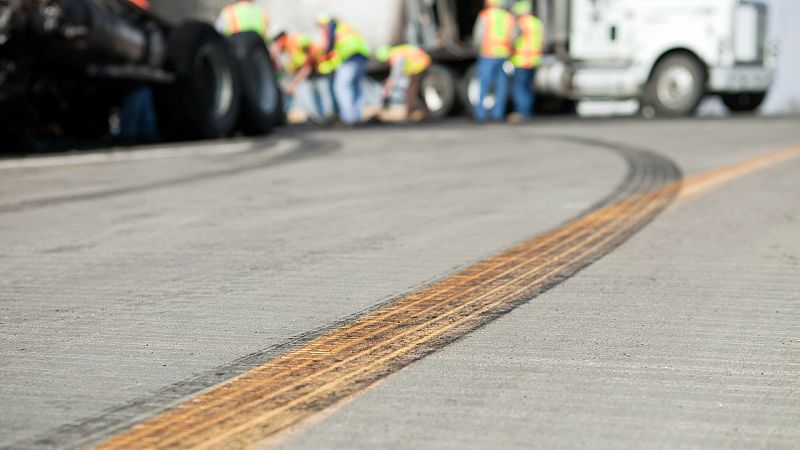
[283,392]
[285,152]
[127,155]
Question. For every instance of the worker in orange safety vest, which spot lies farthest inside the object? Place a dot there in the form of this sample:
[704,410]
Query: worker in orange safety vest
[406,61]
[527,57]
[299,57]
[144,4]
[494,33]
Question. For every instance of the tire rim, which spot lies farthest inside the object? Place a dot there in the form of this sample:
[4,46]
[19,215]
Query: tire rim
[474,94]
[433,93]
[676,87]
[217,78]
[265,77]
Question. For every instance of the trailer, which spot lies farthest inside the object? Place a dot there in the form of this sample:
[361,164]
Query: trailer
[667,54]
[65,65]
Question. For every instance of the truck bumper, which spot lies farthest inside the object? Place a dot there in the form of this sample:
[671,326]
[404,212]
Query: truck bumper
[740,79]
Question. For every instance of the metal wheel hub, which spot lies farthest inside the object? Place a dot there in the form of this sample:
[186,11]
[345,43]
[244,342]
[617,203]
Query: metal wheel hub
[676,87]
[433,99]
[474,93]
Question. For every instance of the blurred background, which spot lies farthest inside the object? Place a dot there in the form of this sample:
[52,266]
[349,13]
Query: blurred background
[783,98]
[785,95]
[121,70]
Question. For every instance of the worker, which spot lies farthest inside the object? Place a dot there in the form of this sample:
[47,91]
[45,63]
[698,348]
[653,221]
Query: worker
[406,61]
[137,115]
[300,56]
[345,56]
[244,15]
[527,57]
[494,33]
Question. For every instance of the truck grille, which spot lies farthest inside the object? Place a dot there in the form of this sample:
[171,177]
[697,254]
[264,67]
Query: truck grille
[750,32]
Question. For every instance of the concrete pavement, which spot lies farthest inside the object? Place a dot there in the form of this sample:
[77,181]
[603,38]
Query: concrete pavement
[129,284]
[685,337]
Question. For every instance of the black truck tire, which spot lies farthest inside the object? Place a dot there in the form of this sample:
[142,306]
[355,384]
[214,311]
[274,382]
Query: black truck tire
[744,102]
[438,91]
[550,105]
[468,89]
[676,86]
[204,100]
[262,102]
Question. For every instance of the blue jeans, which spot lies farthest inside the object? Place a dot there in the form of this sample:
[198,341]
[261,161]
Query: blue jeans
[138,116]
[492,76]
[347,85]
[523,93]
[308,98]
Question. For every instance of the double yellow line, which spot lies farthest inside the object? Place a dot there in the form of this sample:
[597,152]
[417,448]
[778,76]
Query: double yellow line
[285,391]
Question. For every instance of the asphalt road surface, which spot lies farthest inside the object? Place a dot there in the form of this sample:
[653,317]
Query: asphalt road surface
[640,289]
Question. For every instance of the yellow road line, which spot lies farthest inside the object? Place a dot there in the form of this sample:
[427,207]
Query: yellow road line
[282,392]
[712,179]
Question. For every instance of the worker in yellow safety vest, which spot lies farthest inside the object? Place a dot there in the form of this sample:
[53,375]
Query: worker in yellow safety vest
[299,56]
[494,33]
[406,61]
[242,16]
[527,57]
[344,53]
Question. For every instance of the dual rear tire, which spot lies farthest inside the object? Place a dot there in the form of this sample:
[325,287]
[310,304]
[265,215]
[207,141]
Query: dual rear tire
[438,91]
[262,101]
[220,85]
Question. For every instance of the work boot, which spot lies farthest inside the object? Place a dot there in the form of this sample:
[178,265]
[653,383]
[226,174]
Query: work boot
[516,118]
[416,116]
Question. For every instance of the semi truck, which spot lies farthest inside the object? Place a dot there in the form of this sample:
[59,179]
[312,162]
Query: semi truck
[667,54]
[66,65]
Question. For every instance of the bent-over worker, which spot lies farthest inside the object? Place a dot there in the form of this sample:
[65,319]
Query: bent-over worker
[299,55]
[409,61]
[345,56]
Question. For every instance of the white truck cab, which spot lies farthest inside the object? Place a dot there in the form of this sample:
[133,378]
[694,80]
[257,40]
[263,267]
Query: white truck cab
[667,53]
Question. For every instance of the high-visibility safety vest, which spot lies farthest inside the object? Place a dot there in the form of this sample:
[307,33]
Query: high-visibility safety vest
[498,34]
[299,49]
[415,60]
[528,47]
[347,43]
[144,4]
[245,16]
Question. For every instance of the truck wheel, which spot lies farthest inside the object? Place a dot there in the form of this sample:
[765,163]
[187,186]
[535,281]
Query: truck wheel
[552,106]
[203,102]
[262,103]
[744,102]
[676,87]
[469,89]
[438,91]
